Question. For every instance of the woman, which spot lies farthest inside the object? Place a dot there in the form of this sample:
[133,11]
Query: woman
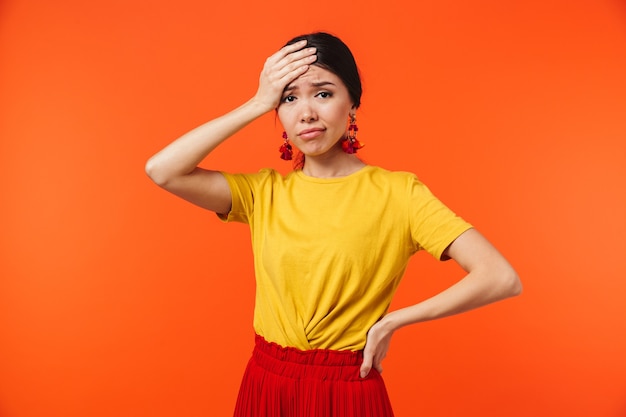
[331,240]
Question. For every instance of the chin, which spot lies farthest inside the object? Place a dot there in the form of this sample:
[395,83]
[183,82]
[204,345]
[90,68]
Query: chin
[319,150]
[312,150]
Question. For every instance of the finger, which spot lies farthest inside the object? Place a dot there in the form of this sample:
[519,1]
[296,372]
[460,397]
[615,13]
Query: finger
[366,366]
[299,55]
[292,70]
[295,61]
[292,66]
[296,46]
[287,50]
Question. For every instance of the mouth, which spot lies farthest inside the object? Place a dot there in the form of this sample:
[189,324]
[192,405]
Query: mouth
[311,133]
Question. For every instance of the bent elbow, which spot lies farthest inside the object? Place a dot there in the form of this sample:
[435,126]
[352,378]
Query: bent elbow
[154,173]
[511,283]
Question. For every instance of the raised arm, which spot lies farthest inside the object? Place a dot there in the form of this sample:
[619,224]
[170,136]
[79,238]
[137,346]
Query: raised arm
[489,278]
[175,167]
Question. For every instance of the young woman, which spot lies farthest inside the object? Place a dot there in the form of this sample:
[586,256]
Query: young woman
[331,240]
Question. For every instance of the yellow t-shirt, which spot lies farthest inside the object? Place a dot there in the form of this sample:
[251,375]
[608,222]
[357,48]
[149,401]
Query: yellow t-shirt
[329,253]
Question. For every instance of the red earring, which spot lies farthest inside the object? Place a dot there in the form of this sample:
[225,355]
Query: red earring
[351,144]
[285,150]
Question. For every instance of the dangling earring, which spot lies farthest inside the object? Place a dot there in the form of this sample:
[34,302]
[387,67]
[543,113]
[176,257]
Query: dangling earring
[285,150]
[351,144]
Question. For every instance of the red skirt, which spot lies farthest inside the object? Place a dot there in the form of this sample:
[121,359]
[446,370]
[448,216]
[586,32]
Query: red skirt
[288,382]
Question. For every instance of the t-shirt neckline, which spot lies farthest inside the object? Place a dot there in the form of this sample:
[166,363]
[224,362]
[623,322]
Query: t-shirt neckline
[348,177]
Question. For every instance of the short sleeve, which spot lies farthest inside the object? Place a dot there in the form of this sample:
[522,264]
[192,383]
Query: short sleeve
[243,189]
[433,225]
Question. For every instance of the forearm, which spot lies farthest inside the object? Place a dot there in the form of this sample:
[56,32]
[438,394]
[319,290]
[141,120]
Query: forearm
[183,155]
[477,289]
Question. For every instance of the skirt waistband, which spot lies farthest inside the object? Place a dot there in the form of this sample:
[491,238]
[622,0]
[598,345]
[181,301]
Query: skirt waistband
[323,364]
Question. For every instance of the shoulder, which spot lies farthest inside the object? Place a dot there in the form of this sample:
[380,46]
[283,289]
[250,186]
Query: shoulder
[263,176]
[404,186]
[394,178]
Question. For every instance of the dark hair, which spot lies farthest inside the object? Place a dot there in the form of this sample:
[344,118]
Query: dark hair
[335,56]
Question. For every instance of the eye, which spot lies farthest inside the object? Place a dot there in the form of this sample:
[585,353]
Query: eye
[324,94]
[288,99]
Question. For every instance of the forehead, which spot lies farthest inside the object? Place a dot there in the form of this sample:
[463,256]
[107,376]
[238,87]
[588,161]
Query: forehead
[316,74]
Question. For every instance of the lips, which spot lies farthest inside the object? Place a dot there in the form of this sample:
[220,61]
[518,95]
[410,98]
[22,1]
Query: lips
[311,133]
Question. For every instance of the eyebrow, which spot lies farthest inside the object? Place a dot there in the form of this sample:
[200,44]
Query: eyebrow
[317,84]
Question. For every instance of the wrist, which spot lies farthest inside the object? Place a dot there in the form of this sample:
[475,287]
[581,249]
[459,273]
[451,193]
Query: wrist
[260,105]
[391,322]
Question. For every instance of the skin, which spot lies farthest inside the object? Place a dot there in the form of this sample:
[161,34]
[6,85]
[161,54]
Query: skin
[489,278]
[314,111]
[313,106]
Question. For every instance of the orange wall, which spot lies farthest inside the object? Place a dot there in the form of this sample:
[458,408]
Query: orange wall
[117,299]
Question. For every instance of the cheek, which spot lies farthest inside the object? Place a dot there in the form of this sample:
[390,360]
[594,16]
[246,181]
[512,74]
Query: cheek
[286,115]
[340,122]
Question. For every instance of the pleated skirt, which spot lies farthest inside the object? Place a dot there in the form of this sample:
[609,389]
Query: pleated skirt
[288,382]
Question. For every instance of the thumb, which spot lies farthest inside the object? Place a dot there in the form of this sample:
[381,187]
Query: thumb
[366,366]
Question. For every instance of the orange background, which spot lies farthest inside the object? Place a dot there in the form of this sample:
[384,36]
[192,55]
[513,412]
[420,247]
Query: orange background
[117,299]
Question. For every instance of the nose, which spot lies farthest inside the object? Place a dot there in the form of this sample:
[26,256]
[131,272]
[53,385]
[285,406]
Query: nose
[307,113]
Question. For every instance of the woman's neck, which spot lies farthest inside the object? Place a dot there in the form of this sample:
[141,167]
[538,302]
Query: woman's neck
[326,166]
